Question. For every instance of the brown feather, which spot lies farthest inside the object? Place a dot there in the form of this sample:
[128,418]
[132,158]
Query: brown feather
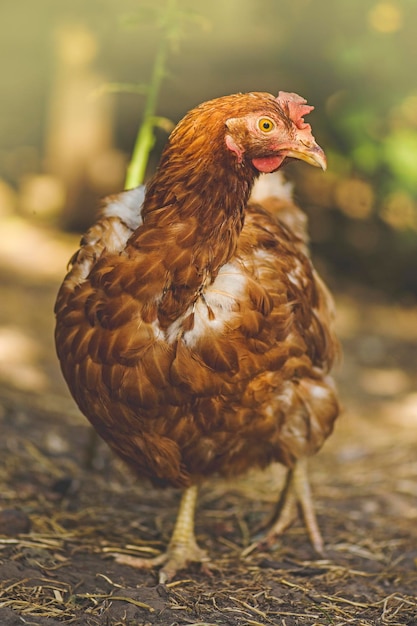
[194,332]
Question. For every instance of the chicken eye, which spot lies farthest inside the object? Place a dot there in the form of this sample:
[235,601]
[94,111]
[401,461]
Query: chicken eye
[265,124]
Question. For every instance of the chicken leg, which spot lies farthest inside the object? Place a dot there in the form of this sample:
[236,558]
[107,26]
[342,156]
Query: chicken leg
[182,548]
[296,492]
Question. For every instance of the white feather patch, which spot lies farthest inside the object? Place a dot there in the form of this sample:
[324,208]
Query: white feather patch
[272,186]
[297,275]
[223,297]
[127,206]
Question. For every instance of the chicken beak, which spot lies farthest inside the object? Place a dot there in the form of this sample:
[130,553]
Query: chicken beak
[310,153]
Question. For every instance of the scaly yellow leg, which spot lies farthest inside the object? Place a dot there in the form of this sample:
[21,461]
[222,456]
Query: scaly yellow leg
[182,548]
[297,492]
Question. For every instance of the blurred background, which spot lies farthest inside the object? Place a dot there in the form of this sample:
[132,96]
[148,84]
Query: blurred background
[73,91]
[72,96]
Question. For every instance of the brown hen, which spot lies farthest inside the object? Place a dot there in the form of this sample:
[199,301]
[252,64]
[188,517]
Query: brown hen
[192,329]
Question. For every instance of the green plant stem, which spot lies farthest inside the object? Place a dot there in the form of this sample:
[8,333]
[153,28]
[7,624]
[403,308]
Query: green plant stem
[145,139]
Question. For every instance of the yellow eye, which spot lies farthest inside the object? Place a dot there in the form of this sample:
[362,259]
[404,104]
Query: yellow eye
[265,124]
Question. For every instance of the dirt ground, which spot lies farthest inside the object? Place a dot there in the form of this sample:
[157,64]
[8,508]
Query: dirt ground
[61,522]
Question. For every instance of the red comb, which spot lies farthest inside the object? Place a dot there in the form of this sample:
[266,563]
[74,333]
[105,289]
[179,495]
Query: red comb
[297,107]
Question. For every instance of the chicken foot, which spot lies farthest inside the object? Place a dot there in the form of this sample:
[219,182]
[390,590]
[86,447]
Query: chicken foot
[182,548]
[296,494]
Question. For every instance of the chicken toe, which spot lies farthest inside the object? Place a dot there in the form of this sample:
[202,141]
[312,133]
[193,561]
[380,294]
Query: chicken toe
[182,548]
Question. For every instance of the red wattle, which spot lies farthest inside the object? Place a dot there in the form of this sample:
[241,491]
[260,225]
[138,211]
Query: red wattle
[268,164]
